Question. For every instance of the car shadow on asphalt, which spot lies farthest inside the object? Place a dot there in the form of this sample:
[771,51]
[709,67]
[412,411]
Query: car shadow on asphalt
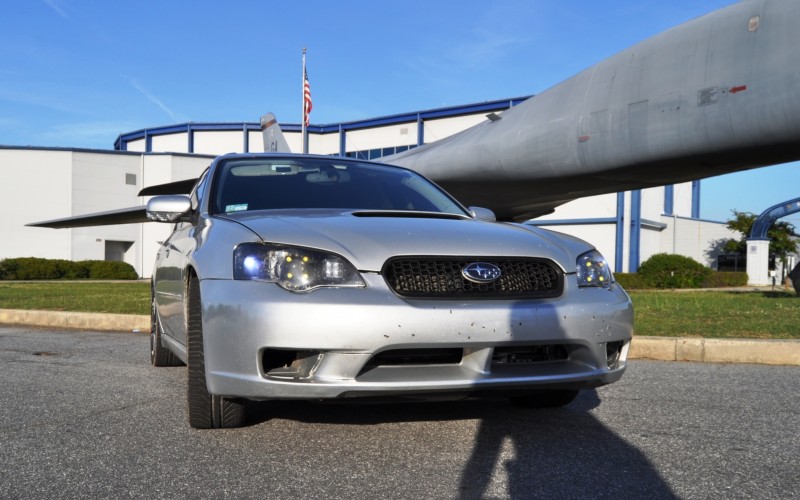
[543,453]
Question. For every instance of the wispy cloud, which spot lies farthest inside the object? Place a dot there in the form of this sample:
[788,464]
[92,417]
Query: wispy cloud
[155,100]
[480,49]
[485,46]
[53,4]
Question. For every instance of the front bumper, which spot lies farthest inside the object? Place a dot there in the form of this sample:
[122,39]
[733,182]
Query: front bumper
[336,334]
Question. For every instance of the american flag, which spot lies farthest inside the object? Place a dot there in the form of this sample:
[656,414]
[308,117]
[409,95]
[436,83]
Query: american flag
[306,97]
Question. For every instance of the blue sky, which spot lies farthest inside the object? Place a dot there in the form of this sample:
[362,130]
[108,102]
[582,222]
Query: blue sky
[77,73]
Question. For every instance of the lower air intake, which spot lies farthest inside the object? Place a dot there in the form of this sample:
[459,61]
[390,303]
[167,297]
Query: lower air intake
[415,357]
[525,355]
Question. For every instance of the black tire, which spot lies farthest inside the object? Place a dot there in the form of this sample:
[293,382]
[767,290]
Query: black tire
[159,355]
[545,399]
[206,411]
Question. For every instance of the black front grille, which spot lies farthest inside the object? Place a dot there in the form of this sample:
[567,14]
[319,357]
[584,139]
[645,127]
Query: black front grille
[440,277]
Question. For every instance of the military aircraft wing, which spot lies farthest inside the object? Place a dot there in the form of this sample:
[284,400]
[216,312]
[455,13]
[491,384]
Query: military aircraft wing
[122,216]
[178,187]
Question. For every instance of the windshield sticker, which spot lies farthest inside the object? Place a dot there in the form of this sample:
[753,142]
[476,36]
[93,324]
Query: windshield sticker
[236,208]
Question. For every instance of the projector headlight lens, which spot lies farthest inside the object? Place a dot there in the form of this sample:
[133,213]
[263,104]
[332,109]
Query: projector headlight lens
[593,270]
[296,269]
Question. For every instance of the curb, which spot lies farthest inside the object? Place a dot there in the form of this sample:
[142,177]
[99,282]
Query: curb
[86,321]
[765,352]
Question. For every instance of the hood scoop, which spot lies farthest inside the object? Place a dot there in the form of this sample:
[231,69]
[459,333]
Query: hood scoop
[408,214]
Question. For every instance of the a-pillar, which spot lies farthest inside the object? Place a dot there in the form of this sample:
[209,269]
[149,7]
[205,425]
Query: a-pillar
[758,262]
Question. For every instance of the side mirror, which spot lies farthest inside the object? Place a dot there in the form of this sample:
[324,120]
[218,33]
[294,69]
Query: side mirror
[483,214]
[169,208]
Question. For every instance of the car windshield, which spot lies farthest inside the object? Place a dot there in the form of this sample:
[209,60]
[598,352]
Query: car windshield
[292,183]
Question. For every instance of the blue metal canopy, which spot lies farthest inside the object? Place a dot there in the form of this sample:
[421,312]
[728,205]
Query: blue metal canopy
[770,215]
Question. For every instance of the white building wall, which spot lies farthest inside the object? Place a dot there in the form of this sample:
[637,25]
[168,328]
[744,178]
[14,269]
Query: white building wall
[137,146]
[255,141]
[171,143]
[218,142]
[445,127]
[652,203]
[682,199]
[183,167]
[698,239]
[99,184]
[649,244]
[323,144]
[295,142]
[403,134]
[36,186]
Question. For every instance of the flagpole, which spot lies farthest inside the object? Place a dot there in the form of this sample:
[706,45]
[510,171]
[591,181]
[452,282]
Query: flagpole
[304,115]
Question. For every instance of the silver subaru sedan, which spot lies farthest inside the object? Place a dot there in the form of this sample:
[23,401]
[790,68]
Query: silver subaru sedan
[322,278]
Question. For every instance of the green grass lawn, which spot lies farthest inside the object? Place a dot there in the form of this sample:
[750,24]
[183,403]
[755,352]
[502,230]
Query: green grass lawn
[710,314]
[84,296]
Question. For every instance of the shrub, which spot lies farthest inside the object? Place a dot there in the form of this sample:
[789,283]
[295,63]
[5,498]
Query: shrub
[111,270]
[673,271]
[33,268]
[718,280]
[630,281]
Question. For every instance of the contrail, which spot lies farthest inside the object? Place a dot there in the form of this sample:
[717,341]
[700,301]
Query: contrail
[53,5]
[155,100]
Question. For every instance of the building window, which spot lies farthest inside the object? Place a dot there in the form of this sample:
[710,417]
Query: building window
[373,154]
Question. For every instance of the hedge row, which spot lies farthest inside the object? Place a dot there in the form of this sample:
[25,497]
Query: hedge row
[33,268]
[630,281]
[676,271]
[635,281]
[717,280]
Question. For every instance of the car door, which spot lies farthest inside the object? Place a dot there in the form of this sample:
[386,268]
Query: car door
[172,270]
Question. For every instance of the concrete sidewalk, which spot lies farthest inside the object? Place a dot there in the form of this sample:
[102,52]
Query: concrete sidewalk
[767,352]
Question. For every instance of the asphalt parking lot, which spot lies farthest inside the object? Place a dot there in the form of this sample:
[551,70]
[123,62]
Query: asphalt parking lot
[84,415]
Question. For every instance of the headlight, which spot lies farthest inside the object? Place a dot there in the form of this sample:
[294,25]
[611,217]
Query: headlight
[294,268]
[593,270]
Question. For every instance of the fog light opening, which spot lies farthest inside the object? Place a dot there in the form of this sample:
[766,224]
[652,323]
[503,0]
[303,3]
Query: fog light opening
[613,354]
[289,363]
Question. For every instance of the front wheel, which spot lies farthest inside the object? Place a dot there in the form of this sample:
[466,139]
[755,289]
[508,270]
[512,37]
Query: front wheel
[206,411]
[545,399]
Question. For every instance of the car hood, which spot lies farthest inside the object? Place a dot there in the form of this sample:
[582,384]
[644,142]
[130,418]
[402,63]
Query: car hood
[368,239]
